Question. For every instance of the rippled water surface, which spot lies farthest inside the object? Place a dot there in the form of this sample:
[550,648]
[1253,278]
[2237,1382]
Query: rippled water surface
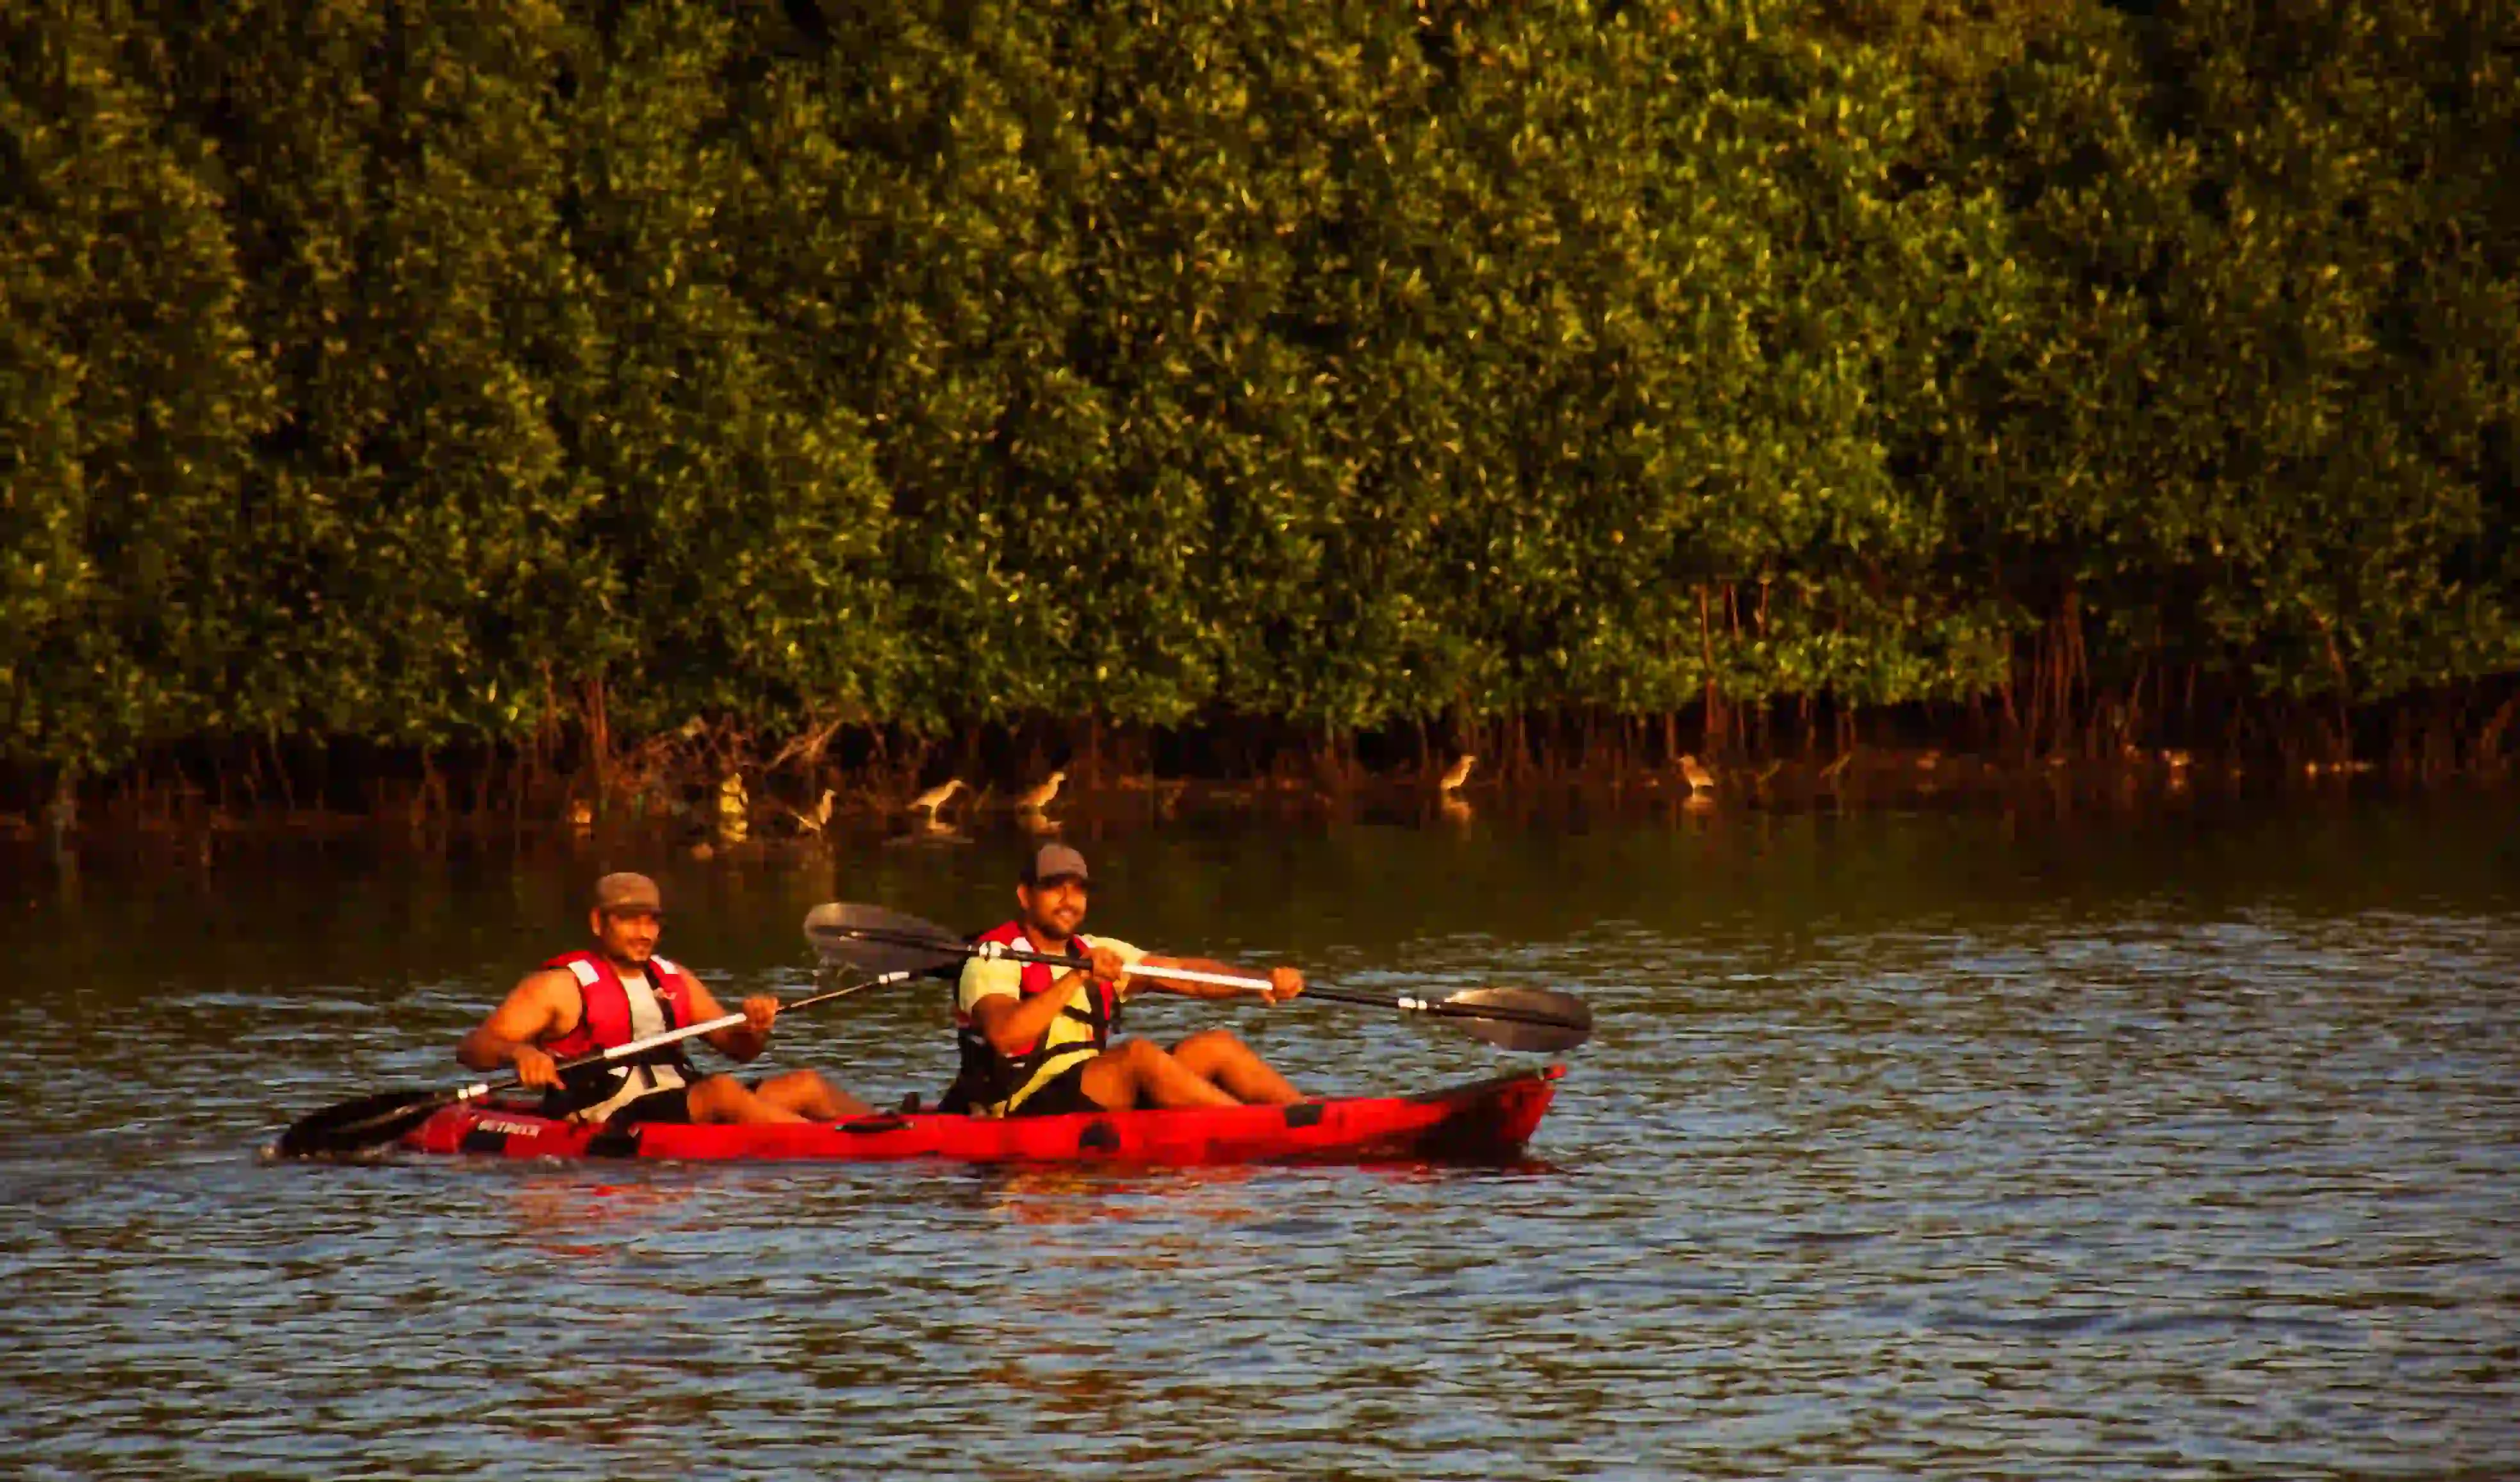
[1908,1146]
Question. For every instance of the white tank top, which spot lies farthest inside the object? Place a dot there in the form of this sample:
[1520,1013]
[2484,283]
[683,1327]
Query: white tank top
[646,1018]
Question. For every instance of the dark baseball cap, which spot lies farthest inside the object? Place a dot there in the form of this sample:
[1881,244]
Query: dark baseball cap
[1055,862]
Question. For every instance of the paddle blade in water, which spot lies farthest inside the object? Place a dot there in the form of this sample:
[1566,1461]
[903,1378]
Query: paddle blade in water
[371,1121]
[874,940]
[1521,1019]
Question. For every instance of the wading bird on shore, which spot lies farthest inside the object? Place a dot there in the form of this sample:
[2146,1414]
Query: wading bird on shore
[61,815]
[815,818]
[1694,772]
[933,800]
[1460,773]
[1036,798]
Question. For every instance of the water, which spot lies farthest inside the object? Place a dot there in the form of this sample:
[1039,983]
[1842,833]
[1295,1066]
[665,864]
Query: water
[1909,1145]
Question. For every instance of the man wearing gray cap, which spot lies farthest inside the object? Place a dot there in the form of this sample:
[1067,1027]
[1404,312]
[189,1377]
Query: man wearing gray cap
[620,991]
[1036,1040]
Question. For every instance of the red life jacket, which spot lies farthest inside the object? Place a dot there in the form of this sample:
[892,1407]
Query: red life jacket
[988,1077]
[604,1018]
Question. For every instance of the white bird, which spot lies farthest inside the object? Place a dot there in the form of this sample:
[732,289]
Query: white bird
[812,822]
[1035,799]
[935,798]
[61,815]
[1694,773]
[1460,773]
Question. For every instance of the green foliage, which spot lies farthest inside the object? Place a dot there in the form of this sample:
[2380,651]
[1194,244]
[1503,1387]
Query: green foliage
[2246,411]
[393,373]
[722,555]
[391,184]
[129,400]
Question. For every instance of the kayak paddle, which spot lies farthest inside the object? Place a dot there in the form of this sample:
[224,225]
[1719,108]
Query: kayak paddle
[372,1121]
[871,938]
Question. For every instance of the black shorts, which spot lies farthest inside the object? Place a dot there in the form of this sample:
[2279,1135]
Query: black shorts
[671,1105]
[1063,1095]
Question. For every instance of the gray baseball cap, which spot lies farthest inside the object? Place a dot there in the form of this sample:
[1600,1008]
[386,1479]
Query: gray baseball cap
[1055,862]
[625,891]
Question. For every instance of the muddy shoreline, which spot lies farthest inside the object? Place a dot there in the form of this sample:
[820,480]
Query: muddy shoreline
[690,817]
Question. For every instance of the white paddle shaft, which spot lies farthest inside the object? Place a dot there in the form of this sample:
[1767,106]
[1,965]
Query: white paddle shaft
[674,1036]
[479,1089]
[695,1031]
[1194,976]
[1143,970]
[1246,984]
[1183,974]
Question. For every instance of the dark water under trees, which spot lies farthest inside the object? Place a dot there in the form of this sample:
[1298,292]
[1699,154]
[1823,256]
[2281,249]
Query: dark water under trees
[1909,1145]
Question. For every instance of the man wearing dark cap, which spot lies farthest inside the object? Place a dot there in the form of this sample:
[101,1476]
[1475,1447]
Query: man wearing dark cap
[621,991]
[1036,1039]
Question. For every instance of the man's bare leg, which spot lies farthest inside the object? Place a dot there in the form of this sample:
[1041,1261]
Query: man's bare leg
[799,1095]
[1222,1061]
[809,1096]
[1138,1070]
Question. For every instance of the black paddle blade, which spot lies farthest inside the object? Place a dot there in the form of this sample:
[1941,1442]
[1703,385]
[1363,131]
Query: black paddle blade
[371,1121]
[872,939]
[1520,1018]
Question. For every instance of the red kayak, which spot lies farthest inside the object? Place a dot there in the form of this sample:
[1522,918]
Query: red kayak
[1487,1121]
